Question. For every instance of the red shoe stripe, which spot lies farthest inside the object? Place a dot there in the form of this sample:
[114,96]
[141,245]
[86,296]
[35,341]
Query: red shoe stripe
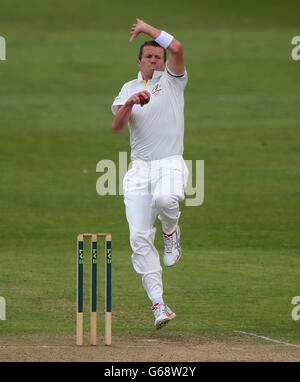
[168,235]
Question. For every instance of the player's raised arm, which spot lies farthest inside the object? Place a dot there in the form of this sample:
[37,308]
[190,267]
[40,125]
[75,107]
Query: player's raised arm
[167,41]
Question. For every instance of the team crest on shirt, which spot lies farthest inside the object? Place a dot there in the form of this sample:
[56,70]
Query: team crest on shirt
[156,90]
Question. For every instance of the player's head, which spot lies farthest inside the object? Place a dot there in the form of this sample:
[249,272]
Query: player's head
[155,44]
[151,57]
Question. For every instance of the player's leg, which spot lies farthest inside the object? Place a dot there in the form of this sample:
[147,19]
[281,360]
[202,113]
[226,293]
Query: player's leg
[145,257]
[169,191]
[141,216]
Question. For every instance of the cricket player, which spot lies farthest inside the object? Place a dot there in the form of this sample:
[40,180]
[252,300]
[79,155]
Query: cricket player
[152,105]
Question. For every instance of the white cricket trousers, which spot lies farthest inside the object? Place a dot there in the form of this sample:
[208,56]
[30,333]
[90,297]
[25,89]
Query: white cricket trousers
[152,188]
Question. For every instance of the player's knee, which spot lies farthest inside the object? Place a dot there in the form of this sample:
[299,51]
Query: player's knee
[165,202]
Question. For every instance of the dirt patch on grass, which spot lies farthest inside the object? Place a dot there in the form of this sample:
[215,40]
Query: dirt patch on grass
[62,348]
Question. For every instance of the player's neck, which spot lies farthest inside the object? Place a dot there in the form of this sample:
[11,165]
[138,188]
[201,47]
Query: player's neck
[146,78]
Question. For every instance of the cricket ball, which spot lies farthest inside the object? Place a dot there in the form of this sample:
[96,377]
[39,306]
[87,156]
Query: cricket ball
[143,100]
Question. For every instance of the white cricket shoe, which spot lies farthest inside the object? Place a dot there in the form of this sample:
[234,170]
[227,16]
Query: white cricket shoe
[162,314]
[172,249]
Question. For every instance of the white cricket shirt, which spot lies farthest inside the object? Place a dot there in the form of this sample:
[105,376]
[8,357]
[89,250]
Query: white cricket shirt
[157,128]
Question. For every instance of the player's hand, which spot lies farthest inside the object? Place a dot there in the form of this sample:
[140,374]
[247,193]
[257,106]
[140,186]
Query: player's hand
[137,29]
[141,98]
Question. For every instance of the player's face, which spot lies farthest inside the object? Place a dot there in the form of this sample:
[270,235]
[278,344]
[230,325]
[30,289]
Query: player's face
[152,59]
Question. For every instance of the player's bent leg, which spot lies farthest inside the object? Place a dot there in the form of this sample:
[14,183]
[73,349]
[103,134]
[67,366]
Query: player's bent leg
[172,248]
[168,208]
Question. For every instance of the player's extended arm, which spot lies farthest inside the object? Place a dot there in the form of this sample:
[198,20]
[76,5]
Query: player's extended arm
[123,114]
[176,57]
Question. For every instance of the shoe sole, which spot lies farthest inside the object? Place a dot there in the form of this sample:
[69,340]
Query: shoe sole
[180,253]
[178,258]
[162,323]
[165,322]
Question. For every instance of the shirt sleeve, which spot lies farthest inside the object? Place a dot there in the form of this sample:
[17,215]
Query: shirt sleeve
[179,80]
[119,100]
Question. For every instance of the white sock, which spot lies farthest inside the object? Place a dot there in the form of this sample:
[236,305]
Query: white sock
[169,228]
[158,301]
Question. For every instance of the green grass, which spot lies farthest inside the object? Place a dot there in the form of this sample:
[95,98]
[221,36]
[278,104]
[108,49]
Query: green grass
[65,64]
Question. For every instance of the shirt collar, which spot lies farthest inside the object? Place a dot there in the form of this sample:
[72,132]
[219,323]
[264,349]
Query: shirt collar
[156,75]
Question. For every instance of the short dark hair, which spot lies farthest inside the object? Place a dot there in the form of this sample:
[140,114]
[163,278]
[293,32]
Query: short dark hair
[152,43]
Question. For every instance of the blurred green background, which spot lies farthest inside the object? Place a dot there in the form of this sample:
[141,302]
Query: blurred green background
[66,62]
